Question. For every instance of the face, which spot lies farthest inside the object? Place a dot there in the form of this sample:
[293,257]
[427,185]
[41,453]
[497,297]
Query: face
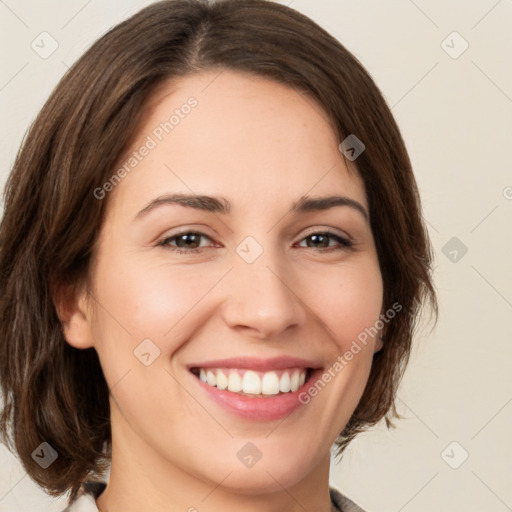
[256,289]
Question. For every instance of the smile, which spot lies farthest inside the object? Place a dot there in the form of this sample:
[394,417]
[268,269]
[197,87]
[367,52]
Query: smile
[256,389]
[254,383]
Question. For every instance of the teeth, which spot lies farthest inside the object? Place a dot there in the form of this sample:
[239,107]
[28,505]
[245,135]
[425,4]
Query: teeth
[254,383]
[284,383]
[294,383]
[251,383]
[222,380]
[234,382]
[211,378]
[270,384]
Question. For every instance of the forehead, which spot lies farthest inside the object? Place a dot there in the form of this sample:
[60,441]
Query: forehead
[236,135]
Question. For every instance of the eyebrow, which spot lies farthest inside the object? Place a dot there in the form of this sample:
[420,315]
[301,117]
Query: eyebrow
[311,204]
[221,205]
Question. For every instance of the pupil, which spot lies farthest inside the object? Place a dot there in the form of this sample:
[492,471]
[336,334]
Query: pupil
[318,238]
[188,237]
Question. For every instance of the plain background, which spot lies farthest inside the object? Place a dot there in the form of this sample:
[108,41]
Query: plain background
[455,112]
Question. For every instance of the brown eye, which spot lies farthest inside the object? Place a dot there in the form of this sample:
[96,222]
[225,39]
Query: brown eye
[322,240]
[188,241]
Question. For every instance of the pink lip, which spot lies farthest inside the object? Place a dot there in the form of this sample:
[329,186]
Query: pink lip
[258,409]
[258,364]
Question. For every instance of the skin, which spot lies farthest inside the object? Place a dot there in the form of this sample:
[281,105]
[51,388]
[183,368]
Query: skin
[262,146]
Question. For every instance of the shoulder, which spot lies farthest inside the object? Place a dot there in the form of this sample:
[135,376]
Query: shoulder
[341,503]
[85,500]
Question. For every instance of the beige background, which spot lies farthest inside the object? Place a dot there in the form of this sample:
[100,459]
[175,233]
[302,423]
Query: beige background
[456,117]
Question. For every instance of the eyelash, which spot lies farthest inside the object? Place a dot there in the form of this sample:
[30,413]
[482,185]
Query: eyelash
[345,244]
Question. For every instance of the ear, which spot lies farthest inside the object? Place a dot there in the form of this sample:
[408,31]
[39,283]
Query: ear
[378,343]
[73,309]
[379,339]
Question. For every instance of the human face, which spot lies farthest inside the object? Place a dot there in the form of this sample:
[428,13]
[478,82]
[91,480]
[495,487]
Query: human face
[256,287]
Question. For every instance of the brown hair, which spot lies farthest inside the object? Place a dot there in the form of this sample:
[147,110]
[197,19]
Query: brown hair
[57,394]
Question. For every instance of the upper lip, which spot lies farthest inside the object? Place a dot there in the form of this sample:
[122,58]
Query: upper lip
[258,364]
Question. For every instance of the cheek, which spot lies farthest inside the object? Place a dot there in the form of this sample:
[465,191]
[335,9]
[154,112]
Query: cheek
[140,302]
[347,300]
[158,301]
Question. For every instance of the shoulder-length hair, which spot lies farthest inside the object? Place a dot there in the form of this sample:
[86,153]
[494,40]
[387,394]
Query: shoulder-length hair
[57,394]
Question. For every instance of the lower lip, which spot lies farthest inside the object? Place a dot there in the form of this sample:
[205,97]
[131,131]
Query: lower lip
[259,409]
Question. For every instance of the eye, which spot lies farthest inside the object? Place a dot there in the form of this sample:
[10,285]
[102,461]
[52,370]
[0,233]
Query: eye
[322,240]
[187,241]
[190,242]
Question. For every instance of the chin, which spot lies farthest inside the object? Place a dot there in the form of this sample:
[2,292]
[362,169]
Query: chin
[267,475]
[258,482]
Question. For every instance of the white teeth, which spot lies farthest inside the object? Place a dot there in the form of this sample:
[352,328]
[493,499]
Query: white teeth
[222,380]
[284,383]
[234,382]
[251,383]
[210,378]
[294,383]
[270,384]
[254,383]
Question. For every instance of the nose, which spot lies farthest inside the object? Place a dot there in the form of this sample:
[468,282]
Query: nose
[262,298]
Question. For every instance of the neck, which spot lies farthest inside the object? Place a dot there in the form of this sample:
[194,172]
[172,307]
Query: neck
[140,479]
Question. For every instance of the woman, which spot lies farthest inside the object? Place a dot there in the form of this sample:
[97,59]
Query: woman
[212,262]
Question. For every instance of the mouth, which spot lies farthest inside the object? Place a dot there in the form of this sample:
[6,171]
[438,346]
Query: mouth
[251,383]
[256,389]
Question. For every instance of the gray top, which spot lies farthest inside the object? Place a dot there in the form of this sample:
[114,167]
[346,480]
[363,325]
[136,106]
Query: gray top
[85,500]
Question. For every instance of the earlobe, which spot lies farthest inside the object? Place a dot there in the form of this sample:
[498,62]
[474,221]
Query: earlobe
[379,343]
[73,310]
[379,339]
